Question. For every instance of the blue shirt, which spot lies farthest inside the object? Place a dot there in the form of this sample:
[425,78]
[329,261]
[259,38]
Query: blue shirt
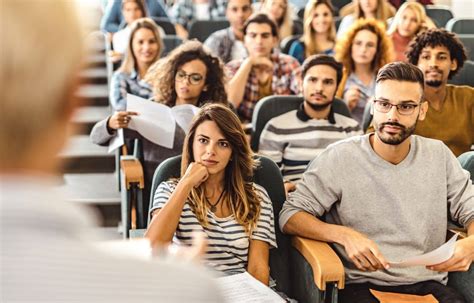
[123,84]
[297,50]
[112,18]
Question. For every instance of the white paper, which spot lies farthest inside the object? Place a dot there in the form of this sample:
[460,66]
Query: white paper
[439,255]
[184,114]
[244,288]
[154,121]
[116,141]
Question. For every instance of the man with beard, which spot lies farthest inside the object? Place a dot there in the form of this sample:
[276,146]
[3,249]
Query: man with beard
[295,138]
[450,118]
[378,206]
[227,43]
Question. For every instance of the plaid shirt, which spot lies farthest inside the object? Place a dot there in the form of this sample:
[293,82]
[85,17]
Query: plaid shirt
[123,84]
[183,12]
[286,80]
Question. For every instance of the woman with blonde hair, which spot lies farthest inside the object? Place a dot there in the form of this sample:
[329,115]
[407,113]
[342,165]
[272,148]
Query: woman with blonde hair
[281,12]
[144,48]
[319,35]
[363,50]
[215,195]
[409,20]
[366,9]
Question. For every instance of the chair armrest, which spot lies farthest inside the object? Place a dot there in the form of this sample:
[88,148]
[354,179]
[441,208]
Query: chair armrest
[325,263]
[133,171]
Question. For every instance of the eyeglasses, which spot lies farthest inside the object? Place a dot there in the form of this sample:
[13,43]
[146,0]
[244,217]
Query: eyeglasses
[403,108]
[193,78]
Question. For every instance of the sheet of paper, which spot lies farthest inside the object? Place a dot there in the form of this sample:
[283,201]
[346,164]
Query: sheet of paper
[184,115]
[154,121]
[244,288]
[116,141]
[439,255]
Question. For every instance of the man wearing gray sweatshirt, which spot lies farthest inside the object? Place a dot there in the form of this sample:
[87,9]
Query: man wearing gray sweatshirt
[387,196]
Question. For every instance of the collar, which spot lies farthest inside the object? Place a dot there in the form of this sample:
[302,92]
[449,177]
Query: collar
[134,74]
[303,116]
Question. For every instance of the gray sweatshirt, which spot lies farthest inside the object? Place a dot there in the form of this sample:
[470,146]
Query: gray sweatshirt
[403,208]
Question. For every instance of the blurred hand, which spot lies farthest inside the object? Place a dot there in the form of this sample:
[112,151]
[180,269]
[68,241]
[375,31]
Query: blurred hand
[195,174]
[115,56]
[262,63]
[289,187]
[362,251]
[352,97]
[121,119]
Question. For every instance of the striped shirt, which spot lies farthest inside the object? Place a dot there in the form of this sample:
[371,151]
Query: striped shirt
[228,243]
[293,139]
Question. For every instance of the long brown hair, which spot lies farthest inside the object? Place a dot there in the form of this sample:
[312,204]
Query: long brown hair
[240,193]
[130,60]
[311,48]
[382,13]
[161,74]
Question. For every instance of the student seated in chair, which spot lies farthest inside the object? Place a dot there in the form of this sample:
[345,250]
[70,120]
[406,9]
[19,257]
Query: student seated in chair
[387,196]
[295,138]
[264,72]
[450,118]
[188,75]
[228,43]
[48,246]
[214,196]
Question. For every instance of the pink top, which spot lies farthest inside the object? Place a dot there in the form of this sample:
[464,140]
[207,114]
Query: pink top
[400,45]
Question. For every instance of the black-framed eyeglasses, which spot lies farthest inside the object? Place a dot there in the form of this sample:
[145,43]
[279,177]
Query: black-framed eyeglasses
[405,109]
[193,78]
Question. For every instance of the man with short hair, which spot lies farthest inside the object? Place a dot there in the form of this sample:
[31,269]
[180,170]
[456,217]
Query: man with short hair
[450,118]
[47,250]
[227,43]
[379,205]
[264,72]
[295,138]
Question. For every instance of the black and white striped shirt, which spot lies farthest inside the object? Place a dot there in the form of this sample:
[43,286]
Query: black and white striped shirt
[228,243]
[293,139]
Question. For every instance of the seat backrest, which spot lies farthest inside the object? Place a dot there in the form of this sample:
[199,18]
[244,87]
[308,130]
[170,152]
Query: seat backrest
[201,29]
[460,26]
[286,43]
[165,24]
[269,177]
[298,27]
[170,42]
[465,76]
[440,14]
[468,41]
[273,106]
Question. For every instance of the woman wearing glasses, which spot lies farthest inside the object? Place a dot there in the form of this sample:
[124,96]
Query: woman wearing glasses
[188,75]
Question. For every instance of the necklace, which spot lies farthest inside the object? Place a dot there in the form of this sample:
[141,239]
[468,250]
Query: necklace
[213,206]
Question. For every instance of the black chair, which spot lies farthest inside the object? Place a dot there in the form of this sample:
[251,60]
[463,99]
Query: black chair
[337,22]
[170,43]
[460,26]
[468,41]
[298,27]
[273,106]
[300,13]
[439,14]
[465,76]
[286,43]
[201,29]
[165,24]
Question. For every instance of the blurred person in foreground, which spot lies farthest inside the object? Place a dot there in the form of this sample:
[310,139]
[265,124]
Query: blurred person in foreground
[44,253]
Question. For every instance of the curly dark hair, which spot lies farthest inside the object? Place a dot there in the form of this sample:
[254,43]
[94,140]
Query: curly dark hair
[437,37]
[161,75]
